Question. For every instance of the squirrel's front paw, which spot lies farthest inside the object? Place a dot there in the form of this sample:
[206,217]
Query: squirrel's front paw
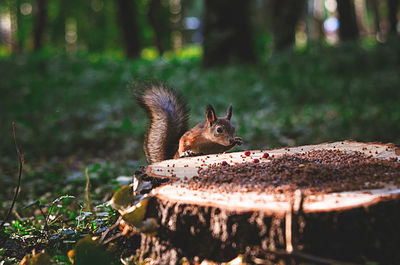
[190,153]
[237,141]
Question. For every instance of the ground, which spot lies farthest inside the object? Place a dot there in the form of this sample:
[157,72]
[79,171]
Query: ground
[76,113]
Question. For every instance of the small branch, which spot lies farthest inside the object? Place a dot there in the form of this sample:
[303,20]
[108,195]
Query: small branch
[118,235]
[88,208]
[21,164]
[105,233]
[43,214]
[17,215]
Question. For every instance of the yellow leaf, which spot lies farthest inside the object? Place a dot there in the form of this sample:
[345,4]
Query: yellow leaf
[135,214]
[41,258]
[122,198]
[88,251]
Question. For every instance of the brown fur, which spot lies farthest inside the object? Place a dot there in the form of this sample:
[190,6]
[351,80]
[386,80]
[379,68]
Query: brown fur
[167,136]
[169,117]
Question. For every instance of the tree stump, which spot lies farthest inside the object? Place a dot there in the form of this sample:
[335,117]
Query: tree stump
[290,221]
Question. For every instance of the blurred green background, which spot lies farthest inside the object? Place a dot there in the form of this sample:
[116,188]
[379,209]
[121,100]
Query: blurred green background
[297,72]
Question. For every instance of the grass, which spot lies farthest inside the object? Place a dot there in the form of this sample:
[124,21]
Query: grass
[76,112]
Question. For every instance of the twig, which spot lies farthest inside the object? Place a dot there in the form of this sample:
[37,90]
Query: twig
[105,242]
[17,215]
[21,164]
[105,233]
[88,208]
[43,214]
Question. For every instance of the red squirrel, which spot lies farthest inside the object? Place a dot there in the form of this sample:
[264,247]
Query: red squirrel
[167,135]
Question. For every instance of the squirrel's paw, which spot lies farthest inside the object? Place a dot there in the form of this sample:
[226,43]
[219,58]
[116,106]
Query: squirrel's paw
[237,141]
[190,153]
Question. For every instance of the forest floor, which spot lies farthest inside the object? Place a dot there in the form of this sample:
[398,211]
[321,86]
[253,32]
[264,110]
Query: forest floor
[75,117]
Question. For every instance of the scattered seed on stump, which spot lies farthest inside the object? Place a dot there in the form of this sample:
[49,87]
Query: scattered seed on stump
[265,155]
[313,172]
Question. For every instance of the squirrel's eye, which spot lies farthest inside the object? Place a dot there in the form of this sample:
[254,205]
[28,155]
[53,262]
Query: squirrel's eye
[219,129]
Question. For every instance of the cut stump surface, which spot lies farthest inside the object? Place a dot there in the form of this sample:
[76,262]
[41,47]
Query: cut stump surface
[206,222]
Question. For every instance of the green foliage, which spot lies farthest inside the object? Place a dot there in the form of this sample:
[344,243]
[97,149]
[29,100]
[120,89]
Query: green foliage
[58,225]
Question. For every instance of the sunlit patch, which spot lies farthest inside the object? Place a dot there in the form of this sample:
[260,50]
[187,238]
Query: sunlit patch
[26,9]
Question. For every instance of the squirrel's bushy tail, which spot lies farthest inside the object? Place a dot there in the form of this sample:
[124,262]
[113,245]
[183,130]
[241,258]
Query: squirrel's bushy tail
[169,116]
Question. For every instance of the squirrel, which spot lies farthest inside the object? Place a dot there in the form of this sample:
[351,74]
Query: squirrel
[167,135]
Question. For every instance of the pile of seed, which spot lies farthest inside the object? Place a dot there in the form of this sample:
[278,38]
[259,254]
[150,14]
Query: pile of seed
[318,171]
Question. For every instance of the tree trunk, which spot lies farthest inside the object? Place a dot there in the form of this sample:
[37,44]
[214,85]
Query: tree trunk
[12,39]
[203,222]
[393,7]
[40,24]
[130,32]
[159,20]
[227,33]
[377,18]
[20,34]
[285,15]
[57,34]
[348,29]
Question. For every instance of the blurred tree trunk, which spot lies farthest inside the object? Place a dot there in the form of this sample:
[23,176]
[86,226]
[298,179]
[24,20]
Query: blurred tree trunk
[12,41]
[315,17]
[285,15]
[158,17]
[227,32]
[97,34]
[373,4]
[40,24]
[127,14]
[348,29]
[20,34]
[393,7]
[57,30]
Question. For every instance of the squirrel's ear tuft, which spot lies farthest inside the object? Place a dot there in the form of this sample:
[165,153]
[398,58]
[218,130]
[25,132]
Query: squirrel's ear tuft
[229,112]
[210,114]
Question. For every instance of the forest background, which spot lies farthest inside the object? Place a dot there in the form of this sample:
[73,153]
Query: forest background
[296,71]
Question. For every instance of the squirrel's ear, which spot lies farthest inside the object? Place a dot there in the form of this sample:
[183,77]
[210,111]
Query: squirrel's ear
[229,112]
[210,114]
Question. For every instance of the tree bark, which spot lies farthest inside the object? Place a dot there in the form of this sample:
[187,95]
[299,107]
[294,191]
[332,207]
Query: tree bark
[348,29]
[40,24]
[199,224]
[227,33]
[285,15]
[217,234]
[130,31]
[393,7]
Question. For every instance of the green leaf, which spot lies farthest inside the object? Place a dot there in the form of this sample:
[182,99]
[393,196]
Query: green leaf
[95,168]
